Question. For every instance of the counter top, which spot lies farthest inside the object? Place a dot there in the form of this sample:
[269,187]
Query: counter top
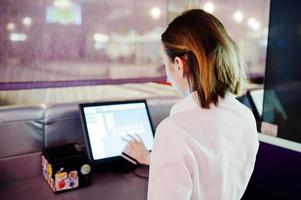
[103,186]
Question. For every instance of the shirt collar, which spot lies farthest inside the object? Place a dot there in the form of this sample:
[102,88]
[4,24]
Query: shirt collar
[184,104]
[190,101]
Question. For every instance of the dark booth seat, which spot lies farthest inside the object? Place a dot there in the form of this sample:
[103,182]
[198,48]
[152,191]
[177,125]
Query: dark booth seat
[21,130]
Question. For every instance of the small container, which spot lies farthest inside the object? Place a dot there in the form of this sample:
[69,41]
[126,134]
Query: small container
[65,167]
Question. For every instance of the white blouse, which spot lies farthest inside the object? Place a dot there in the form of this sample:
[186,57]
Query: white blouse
[203,153]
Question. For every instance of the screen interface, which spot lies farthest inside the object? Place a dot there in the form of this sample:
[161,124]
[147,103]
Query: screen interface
[107,125]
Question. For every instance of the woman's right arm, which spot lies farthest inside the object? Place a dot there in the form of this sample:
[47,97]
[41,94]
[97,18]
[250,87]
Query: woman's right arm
[170,166]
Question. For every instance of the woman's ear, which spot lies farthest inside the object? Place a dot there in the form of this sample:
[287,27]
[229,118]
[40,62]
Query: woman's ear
[180,66]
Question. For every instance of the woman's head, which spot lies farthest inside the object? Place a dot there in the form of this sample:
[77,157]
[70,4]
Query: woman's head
[200,51]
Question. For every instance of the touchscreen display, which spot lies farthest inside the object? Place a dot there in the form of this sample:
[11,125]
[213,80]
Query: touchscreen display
[109,125]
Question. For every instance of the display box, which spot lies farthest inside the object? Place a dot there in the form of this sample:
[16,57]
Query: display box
[65,167]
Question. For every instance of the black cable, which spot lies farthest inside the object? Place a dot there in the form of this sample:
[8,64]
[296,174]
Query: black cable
[141,166]
[140,176]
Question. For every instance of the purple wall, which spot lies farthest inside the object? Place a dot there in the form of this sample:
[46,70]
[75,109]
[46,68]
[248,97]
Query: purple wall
[277,174]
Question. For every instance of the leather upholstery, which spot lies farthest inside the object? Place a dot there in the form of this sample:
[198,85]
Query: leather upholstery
[21,130]
[62,125]
[30,128]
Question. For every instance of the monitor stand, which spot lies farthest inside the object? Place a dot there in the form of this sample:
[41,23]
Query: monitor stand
[118,165]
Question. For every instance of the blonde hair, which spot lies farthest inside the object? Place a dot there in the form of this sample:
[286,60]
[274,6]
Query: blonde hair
[214,65]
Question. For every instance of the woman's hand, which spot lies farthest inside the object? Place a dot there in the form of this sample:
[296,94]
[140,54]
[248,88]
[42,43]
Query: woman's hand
[136,149]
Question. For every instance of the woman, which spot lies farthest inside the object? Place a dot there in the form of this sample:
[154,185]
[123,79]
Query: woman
[206,148]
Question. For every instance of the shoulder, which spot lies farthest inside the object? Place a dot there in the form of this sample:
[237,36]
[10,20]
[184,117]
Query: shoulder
[232,105]
[246,112]
[171,143]
[170,132]
[247,122]
[167,126]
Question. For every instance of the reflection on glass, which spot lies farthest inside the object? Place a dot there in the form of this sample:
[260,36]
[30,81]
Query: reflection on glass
[54,40]
[246,22]
[64,13]
[282,94]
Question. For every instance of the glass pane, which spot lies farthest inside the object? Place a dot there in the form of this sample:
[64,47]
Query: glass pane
[54,40]
[59,40]
[282,95]
[246,22]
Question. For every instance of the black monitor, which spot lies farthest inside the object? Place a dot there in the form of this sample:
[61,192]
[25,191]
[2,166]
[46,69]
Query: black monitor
[255,97]
[106,127]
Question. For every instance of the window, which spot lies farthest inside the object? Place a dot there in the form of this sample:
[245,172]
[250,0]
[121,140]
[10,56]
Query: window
[49,43]
[58,43]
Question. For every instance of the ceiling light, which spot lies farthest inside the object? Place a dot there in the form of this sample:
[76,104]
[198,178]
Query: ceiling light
[253,23]
[16,37]
[238,17]
[10,26]
[62,3]
[209,7]
[98,37]
[27,21]
[155,13]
